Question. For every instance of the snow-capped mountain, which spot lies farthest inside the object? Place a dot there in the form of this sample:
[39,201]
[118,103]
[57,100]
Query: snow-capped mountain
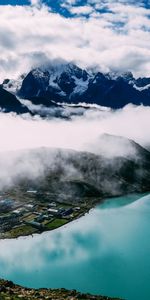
[64,82]
[60,82]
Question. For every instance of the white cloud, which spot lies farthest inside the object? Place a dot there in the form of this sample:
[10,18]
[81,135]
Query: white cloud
[118,39]
[80,133]
[70,2]
[36,3]
[81,10]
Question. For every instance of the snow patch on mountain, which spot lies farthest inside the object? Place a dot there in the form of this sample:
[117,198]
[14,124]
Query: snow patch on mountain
[13,85]
[141,88]
[81,85]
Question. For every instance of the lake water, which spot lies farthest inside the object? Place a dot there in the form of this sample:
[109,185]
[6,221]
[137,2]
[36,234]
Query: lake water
[105,252]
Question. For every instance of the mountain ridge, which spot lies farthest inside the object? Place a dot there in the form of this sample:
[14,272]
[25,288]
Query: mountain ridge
[75,172]
[10,103]
[69,83]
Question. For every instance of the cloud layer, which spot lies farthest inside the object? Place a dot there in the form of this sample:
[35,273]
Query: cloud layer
[80,133]
[112,36]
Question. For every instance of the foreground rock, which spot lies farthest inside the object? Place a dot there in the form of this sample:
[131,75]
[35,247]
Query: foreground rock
[10,291]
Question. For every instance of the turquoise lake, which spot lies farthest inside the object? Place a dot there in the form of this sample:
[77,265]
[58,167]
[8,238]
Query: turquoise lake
[105,252]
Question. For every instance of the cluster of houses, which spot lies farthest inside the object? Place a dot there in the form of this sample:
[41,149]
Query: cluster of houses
[7,222]
[6,205]
[14,214]
[10,213]
[51,213]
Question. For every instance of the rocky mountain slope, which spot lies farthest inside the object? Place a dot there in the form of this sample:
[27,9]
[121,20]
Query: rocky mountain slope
[9,103]
[10,291]
[69,83]
[72,175]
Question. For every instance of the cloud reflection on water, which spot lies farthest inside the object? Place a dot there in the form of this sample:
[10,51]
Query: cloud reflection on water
[97,253]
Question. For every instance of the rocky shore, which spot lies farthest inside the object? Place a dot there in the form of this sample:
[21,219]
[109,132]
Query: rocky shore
[10,291]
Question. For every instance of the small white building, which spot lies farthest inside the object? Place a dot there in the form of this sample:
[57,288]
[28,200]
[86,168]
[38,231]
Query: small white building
[29,206]
[17,212]
[53,204]
[32,191]
[53,210]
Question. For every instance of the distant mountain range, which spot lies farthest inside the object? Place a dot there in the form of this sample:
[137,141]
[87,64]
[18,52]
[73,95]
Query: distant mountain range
[68,83]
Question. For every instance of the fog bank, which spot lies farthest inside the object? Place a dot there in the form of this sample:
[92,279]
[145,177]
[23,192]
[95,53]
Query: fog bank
[80,133]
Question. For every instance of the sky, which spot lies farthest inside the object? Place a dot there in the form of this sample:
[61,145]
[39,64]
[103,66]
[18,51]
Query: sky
[104,34]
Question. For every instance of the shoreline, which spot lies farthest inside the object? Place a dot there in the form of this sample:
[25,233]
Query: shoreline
[87,211]
[46,231]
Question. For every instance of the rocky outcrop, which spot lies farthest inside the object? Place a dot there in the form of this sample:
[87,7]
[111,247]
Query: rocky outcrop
[10,291]
[10,103]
